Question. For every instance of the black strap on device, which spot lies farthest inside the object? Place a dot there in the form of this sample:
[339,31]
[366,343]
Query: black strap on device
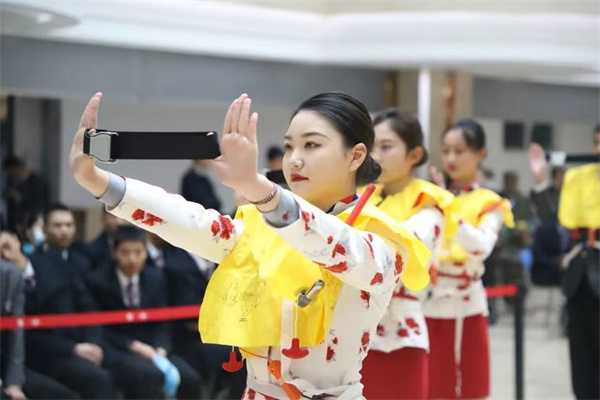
[109,146]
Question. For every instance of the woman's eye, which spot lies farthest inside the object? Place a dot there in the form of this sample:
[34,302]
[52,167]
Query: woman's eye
[287,147]
[310,145]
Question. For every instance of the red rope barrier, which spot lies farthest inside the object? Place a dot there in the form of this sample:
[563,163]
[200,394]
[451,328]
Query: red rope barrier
[502,291]
[147,315]
[100,318]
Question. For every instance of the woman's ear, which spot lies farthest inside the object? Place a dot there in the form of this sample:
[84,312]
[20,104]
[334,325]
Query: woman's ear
[481,155]
[415,155]
[358,155]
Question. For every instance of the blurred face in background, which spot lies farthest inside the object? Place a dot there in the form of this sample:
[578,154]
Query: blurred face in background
[316,165]
[275,164]
[60,229]
[111,223]
[390,152]
[460,161]
[130,256]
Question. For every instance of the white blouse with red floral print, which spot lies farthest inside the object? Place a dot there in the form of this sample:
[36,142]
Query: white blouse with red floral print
[403,324]
[459,291]
[331,369]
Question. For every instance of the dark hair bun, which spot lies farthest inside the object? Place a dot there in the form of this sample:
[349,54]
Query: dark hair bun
[368,172]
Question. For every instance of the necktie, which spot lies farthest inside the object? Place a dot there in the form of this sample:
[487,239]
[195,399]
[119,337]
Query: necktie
[130,295]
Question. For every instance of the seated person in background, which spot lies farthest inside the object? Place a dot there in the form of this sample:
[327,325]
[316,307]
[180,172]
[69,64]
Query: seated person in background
[196,186]
[274,158]
[72,355]
[99,250]
[187,276]
[17,381]
[124,284]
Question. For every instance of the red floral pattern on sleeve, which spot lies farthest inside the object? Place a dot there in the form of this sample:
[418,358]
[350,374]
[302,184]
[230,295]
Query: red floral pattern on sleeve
[336,268]
[366,296]
[365,341]
[330,354]
[377,279]
[399,265]
[338,249]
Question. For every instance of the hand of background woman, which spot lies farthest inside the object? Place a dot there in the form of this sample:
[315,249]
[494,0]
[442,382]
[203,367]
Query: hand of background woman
[537,163]
[438,177]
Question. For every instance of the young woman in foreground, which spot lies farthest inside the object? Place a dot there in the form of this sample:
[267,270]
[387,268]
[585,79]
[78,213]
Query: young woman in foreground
[283,245]
[396,367]
[459,361]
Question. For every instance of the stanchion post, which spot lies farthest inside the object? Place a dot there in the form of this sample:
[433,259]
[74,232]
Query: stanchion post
[519,348]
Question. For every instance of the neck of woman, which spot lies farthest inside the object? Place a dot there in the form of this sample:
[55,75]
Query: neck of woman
[397,185]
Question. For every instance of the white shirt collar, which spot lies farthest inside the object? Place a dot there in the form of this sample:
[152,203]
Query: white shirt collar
[124,279]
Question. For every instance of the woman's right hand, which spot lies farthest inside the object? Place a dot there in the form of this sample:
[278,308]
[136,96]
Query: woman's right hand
[83,167]
[537,163]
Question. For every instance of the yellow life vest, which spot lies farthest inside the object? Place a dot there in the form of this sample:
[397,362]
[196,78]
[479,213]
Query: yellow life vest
[243,302]
[579,205]
[416,195]
[472,207]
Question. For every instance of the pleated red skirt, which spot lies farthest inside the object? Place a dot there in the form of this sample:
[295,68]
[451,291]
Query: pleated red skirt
[401,374]
[471,378]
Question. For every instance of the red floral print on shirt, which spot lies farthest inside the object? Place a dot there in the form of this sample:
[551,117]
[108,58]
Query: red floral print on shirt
[151,220]
[338,249]
[399,265]
[306,218]
[215,228]
[365,340]
[380,330]
[336,268]
[412,323]
[330,354]
[402,332]
[377,279]
[138,214]
[366,296]
[227,227]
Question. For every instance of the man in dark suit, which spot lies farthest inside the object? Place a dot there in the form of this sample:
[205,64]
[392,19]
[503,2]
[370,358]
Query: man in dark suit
[187,276]
[16,380]
[131,348]
[99,250]
[26,192]
[580,283]
[197,187]
[72,355]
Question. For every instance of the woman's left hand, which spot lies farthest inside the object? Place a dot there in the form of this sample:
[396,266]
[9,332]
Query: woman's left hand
[237,167]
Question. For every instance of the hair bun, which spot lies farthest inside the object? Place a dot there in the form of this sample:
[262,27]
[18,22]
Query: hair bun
[368,172]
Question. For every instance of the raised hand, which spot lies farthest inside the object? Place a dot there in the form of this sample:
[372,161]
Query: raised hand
[437,177]
[537,163]
[83,167]
[237,167]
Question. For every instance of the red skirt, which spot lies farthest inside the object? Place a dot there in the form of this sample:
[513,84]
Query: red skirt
[401,374]
[473,372]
